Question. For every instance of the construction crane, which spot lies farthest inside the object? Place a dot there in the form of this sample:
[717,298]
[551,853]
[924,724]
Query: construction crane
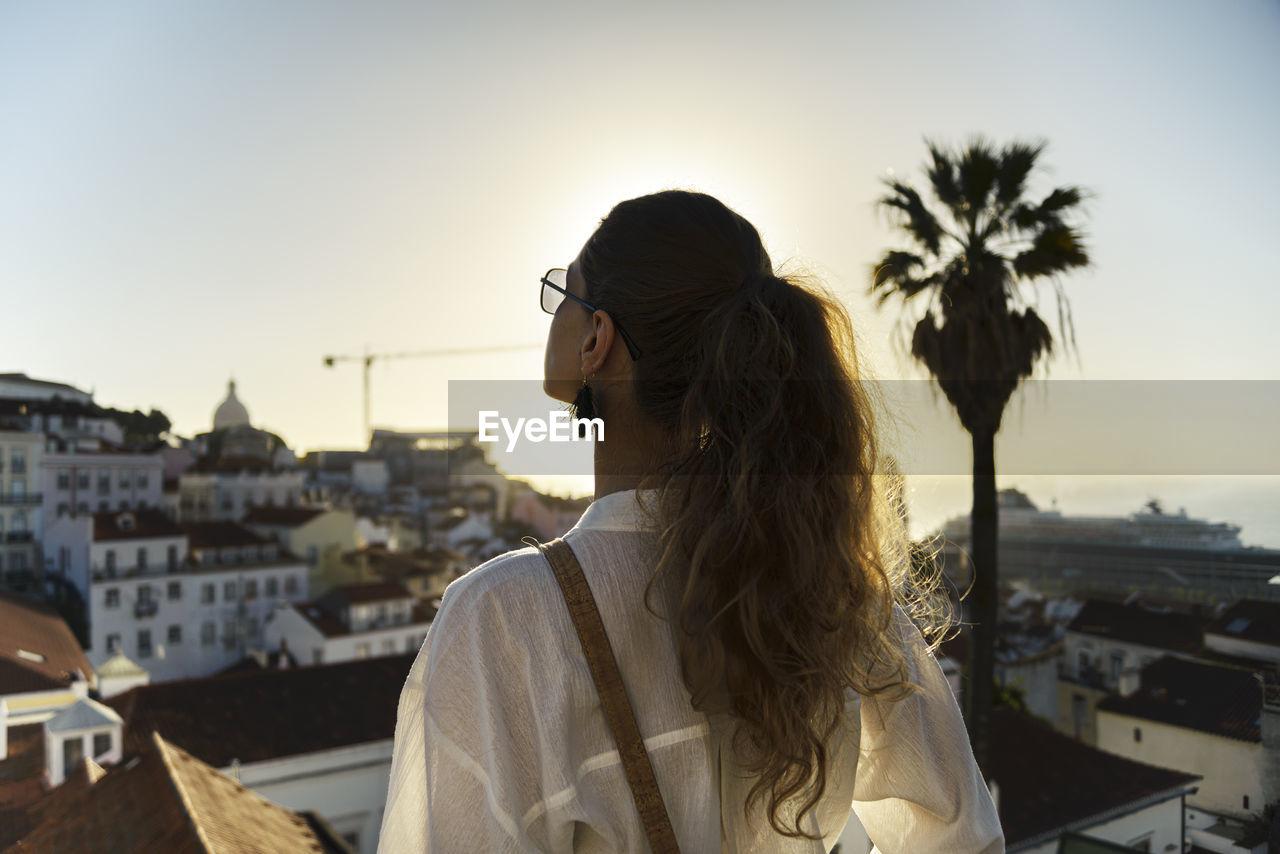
[368,360]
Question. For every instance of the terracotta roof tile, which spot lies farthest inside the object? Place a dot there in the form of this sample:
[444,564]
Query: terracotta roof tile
[1134,624]
[133,525]
[252,716]
[214,535]
[1212,698]
[289,517]
[363,593]
[1085,781]
[163,799]
[34,627]
[21,781]
[1251,620]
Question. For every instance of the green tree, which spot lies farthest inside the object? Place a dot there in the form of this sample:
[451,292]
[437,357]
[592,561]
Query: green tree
[970,254]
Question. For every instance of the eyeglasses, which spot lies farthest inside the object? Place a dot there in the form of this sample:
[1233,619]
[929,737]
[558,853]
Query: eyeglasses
[554,291]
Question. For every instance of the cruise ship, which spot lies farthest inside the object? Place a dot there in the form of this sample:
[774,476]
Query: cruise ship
[1150,550]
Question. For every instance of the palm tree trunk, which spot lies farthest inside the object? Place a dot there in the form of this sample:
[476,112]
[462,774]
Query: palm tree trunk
[982,604]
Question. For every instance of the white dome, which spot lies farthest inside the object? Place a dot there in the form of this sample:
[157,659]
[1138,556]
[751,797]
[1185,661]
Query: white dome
[231,412]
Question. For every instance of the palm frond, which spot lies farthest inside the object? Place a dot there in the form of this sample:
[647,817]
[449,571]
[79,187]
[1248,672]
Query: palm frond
[1016,162]
[942,177]
[977,171]
[915,218]
[1053,250]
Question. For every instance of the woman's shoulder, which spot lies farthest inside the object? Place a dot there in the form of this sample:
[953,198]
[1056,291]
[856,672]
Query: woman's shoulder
[520,576]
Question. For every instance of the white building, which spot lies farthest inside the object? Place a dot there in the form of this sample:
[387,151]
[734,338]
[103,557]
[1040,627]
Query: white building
[229,489]
[21,519]
[1108,642]
[180,600]
[351,621]
[92,482]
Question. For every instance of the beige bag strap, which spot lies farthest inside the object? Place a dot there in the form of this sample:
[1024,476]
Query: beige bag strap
[613,695]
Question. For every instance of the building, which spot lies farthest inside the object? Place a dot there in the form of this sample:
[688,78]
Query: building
[352,621]
[315,739]
[43,670]
[162,798]
[318,534]
[232,486]
[1051,784]
[21,516]
[1107,643]
[1207,719]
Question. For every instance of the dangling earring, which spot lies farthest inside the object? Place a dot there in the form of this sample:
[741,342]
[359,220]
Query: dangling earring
[583,407]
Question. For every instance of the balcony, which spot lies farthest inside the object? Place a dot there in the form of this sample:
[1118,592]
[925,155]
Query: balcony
[19,537]
[31,499]
[145,608]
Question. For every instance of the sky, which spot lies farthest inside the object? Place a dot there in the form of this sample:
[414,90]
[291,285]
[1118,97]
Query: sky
[191,193]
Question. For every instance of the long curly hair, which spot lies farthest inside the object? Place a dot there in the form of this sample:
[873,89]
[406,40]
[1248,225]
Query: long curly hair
[782,525]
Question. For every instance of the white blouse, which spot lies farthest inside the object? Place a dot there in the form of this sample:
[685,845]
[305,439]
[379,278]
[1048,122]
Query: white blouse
[501,744]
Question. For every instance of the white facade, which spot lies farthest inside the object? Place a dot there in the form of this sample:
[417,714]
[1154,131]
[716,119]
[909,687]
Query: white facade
[1106,659]
[191,623]
[216,495]
[1232,769]
[72,552]
[369,636]
[370,476]
[347,785]
[95,483]
[1145,826]
[21,518]
[85,730]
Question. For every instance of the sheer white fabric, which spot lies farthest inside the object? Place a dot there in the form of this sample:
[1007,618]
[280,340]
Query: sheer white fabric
[501,744]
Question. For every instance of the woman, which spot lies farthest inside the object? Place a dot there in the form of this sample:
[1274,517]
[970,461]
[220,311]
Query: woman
[751,569]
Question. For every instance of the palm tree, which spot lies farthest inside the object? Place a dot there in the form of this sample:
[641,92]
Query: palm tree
[970,257]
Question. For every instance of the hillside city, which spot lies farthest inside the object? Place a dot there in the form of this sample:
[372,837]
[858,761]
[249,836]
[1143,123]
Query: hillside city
[206,637]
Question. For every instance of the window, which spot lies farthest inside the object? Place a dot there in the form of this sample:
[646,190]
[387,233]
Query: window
[173,557]
[104,506]
[111,560]
[273,587]
[229,634]
[64,480]
[124,504]
[19,490]
[142,557]
[175,634]
[208,632]
[101,743]
[82,480]
[1246,802]
[144,643]
[207,593]
[1117,663]
[175,589]
[251,589]
[290,585]
[142,480]
[228,591]
[104,483]
[362,650]
[72,753]
[1082,661]
[63,508]
[389,646]
[18,523]
[144,592]
[408,644]
[313,555]
[113,643]
[1137,733]
[18,458]
[112,597]
[124,479]
[226,503]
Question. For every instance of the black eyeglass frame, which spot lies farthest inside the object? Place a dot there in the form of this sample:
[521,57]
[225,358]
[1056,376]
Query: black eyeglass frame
[626,339]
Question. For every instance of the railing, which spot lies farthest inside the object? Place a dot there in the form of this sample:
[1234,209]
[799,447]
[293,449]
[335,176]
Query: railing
[19,537]
[30,499]
[145,608]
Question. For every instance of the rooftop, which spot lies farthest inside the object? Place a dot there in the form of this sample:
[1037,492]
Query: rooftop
[164,799]
[216,535]
[38,651]
[1135,624]
[288,517]
[266,714]
[1212,698]
[1085,783]
[133,525]
[1250,620]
